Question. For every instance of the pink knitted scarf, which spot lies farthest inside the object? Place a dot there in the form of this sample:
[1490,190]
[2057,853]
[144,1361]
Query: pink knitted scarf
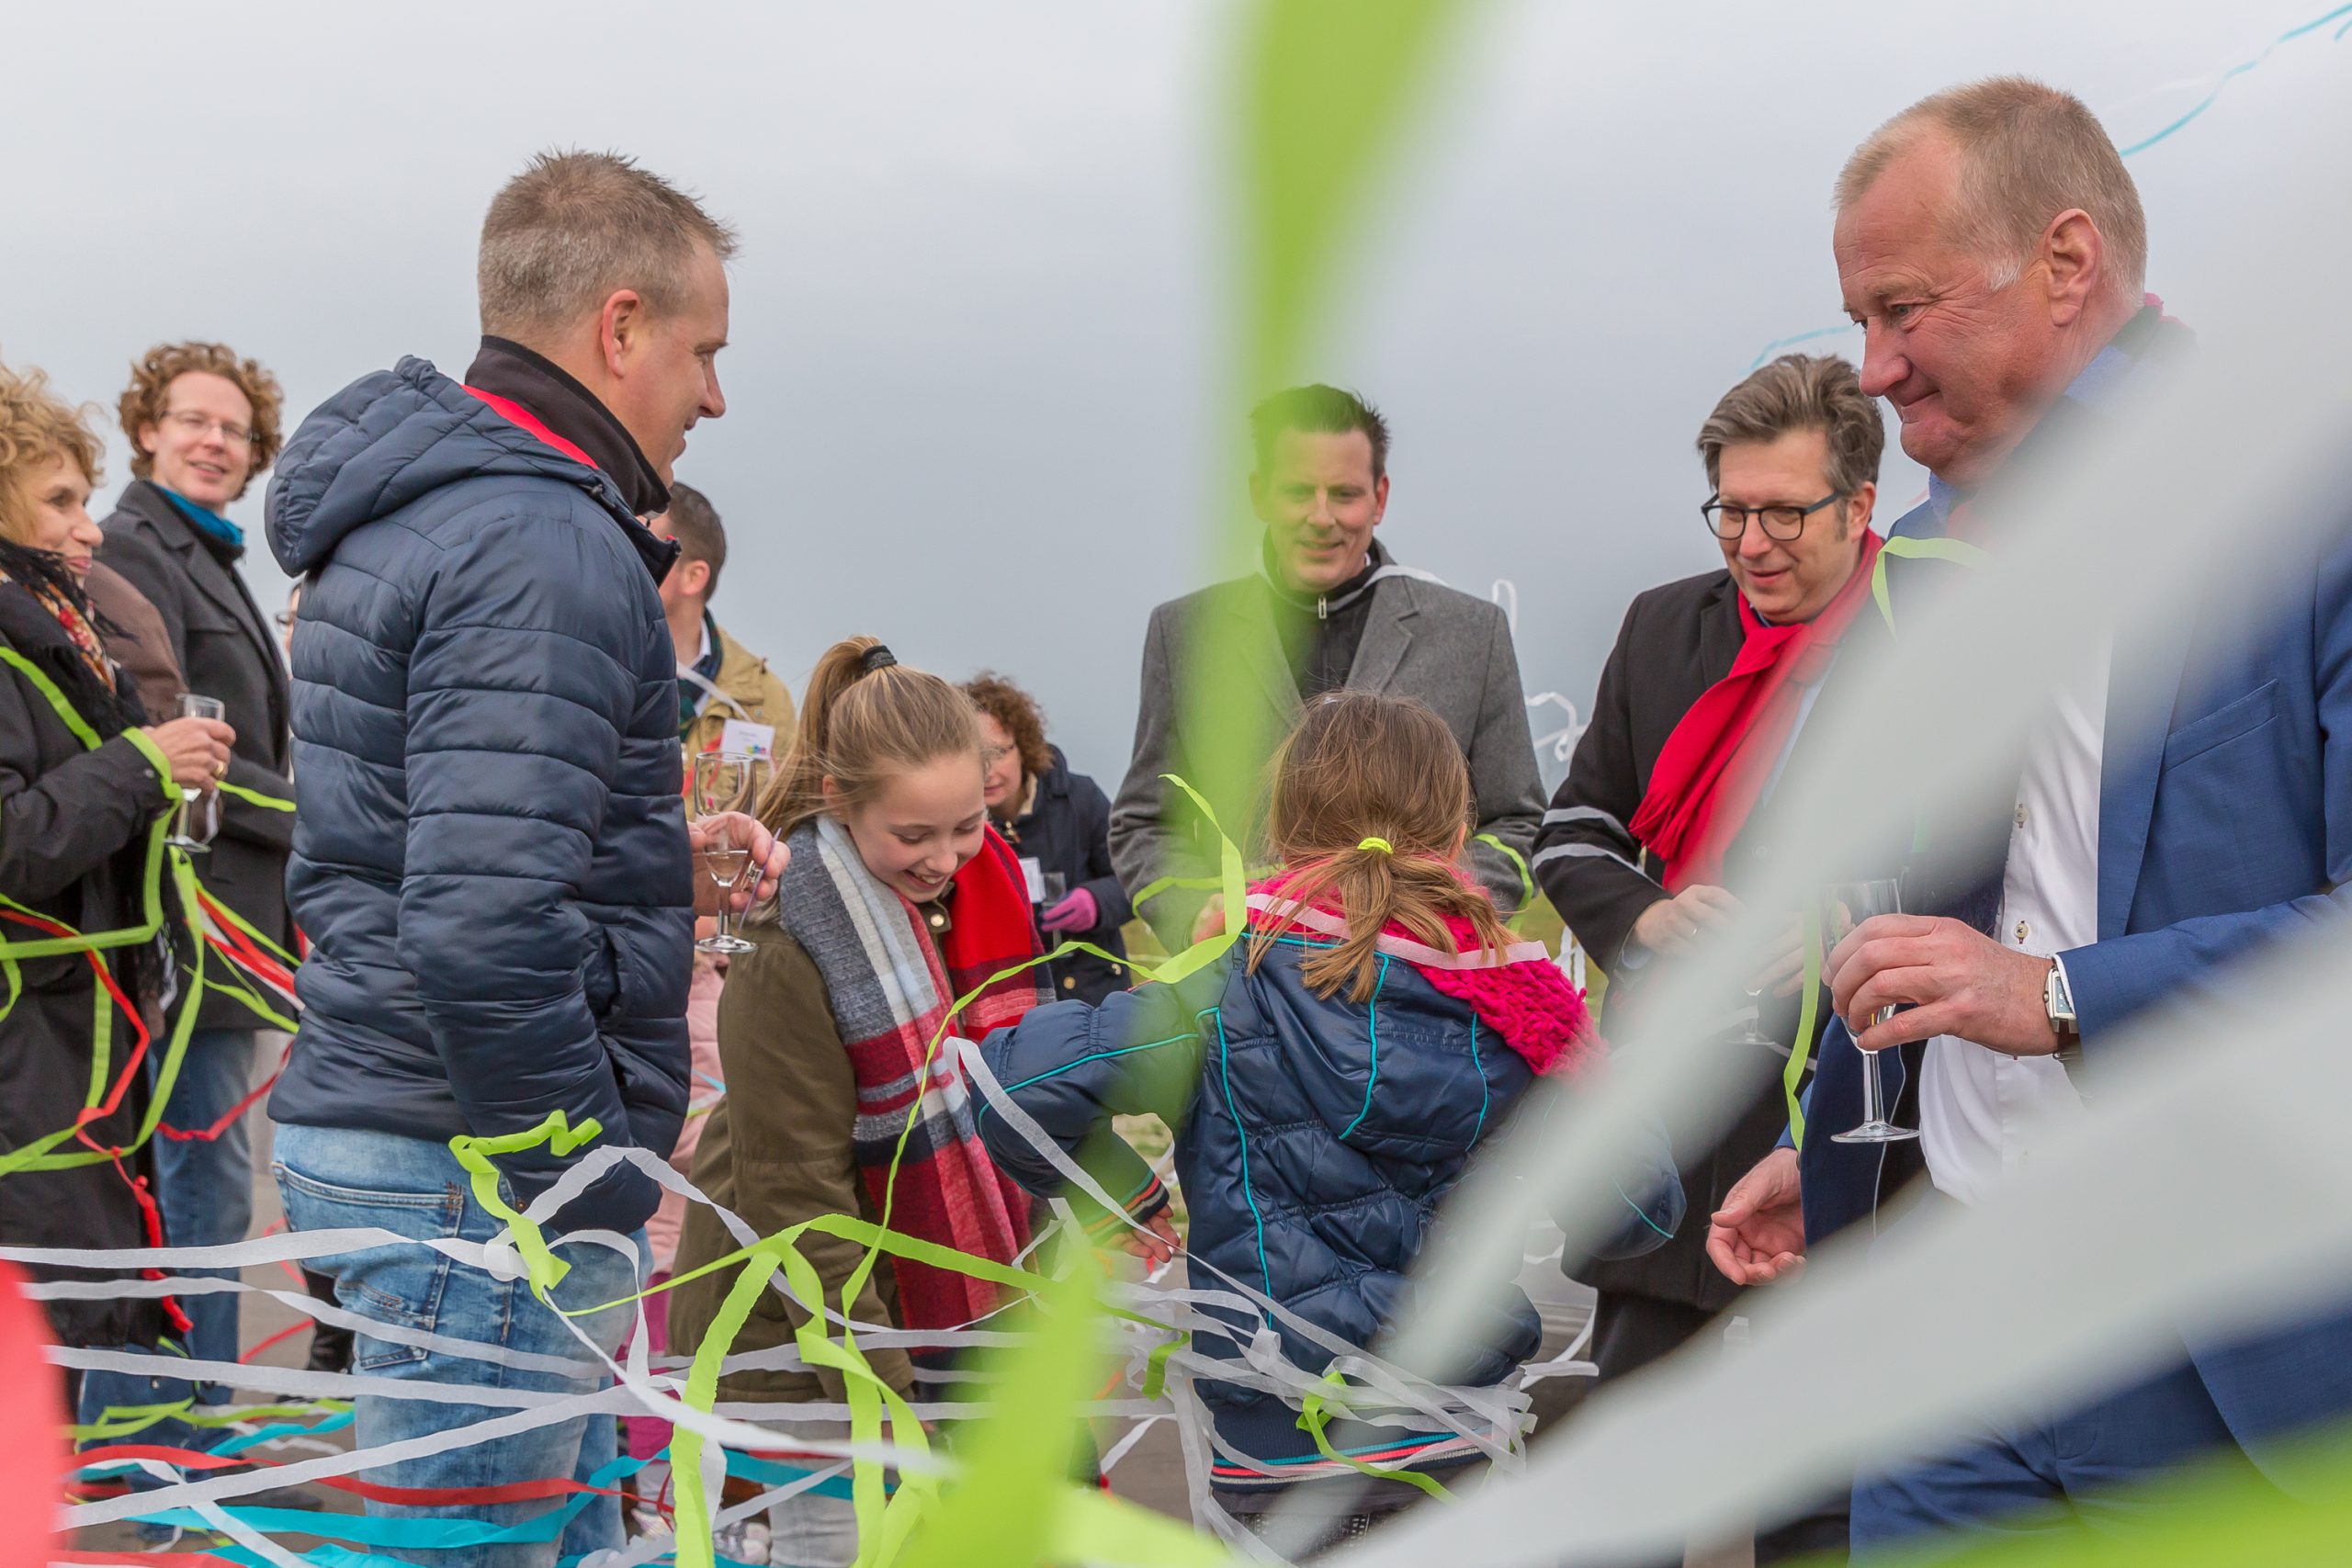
[1522,995]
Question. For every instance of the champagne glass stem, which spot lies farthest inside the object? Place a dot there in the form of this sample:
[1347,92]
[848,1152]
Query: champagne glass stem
[1873,1095]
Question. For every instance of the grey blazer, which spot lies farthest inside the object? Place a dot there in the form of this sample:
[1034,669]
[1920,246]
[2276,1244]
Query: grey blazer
[1421,639]
[225,650]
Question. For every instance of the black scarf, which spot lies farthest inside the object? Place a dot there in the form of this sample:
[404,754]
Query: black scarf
[1320,633]
[32,630]
[509,370]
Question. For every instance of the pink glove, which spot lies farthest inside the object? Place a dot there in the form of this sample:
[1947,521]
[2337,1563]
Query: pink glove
[1078,913]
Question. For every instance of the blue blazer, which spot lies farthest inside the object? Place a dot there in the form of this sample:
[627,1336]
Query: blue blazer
[2225,824]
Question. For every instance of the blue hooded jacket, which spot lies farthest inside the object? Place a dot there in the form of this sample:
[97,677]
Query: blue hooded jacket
[1315,1140]
[491,858]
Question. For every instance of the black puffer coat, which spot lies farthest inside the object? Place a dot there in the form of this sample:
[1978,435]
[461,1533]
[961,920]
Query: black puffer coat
[73,826]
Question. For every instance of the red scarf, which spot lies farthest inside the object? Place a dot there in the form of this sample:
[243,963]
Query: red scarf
[1714,767]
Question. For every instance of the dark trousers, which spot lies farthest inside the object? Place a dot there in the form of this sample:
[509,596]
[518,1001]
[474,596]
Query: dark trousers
[1629,1333]
[2053,1476]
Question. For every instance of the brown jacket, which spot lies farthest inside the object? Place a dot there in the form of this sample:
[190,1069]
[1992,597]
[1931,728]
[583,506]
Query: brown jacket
[748,690]
[777,1152]
[137,641]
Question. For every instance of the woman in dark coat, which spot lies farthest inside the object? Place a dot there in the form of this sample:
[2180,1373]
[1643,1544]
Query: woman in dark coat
[1059,822]
[81,786]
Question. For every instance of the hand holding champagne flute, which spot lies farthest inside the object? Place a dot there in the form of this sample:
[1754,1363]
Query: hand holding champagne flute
[1846,906]
[724,782]
[196,829]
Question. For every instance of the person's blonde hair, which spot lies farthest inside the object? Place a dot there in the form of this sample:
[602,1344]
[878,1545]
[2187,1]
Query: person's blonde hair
[862,727]
[35,426]
[1360,767]
[2028,152]
[149,398]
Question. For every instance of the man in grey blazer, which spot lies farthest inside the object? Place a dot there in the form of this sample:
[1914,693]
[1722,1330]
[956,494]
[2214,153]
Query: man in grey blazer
[1327,608]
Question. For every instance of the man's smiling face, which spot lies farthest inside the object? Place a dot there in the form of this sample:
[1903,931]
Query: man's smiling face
[1967,359]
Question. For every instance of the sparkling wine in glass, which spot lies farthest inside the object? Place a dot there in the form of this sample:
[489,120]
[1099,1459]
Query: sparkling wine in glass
[724,782]
[199,819]
[1844,906]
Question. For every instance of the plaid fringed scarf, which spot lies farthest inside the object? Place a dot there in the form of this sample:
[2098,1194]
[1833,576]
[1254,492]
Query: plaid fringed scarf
[890,994]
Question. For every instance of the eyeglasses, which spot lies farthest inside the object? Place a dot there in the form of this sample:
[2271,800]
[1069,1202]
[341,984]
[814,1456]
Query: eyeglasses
[198,425]
[1781,523]
[992,755]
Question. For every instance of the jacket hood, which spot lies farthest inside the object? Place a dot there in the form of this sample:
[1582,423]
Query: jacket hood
[390,438]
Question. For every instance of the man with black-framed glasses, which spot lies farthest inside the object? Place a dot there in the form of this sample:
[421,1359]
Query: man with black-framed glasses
[1705,693]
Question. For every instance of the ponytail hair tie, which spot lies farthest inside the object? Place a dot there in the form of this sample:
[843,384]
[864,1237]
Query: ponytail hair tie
[1382,845]
[879,656]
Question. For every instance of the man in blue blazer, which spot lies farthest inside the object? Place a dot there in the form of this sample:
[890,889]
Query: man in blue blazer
[2168,823]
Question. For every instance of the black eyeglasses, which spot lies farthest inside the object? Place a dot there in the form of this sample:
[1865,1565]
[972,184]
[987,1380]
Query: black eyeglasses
[1781,523]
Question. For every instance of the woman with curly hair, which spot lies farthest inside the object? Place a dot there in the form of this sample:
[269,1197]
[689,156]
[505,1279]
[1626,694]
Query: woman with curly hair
[202,423]
[83,780]
[1059,823]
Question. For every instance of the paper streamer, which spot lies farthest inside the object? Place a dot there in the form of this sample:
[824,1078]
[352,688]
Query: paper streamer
[2220,82]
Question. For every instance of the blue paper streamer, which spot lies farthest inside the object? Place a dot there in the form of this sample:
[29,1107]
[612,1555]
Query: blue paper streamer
[2235,72]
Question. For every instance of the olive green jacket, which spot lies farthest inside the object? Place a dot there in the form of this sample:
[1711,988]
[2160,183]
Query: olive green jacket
[777,1152]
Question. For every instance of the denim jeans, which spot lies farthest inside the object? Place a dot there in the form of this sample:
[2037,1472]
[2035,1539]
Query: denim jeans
[334,1178]
[205,1188]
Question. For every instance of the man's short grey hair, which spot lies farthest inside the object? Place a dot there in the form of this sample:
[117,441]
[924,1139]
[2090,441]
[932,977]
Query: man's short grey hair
[2028,153]
[573,228]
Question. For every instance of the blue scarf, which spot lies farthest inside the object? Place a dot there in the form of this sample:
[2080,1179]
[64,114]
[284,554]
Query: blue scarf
[208,521]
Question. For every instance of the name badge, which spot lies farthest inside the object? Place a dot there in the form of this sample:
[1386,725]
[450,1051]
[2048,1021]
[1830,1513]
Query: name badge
[751,739]
[1035,875]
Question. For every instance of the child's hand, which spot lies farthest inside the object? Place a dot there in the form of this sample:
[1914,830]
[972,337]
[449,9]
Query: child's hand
[1156,1242]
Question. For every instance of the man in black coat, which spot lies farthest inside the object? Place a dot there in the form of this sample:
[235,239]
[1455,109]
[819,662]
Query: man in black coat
[202,423]
[1706,691]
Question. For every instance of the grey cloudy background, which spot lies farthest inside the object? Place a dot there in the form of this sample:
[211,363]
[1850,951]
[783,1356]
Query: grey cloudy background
[979,317]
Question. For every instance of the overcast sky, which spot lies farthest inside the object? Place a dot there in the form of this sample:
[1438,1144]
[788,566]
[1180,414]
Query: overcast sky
[979,322]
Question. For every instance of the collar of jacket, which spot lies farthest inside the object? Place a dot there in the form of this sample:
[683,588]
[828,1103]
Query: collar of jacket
[216,529]
[2150,336]
[545,389]
[1323,606]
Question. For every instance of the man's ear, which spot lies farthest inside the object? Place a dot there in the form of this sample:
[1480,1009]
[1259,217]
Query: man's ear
[694,577]
[1379,500]
[1258,495]
[620,329]
[2072,254]
[1859,505]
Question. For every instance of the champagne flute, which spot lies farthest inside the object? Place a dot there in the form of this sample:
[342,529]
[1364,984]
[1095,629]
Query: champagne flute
[1847,905]
[193,821]
[723,782]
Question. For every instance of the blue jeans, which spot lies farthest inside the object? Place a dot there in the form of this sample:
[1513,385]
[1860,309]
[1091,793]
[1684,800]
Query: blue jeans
[205,1188]
[333,1178]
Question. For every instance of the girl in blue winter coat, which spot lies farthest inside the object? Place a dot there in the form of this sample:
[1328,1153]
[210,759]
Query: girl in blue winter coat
[1327,1084]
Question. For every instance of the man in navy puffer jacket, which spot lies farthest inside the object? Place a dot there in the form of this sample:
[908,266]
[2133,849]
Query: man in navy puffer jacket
[491,860]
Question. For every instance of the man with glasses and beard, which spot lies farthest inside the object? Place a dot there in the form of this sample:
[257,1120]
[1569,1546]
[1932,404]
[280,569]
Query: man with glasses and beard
[1707,688]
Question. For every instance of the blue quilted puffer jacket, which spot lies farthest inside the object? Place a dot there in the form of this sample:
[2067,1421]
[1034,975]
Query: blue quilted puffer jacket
[1314,1141]
[490,856]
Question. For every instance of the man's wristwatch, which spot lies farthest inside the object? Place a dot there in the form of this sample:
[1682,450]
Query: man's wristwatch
[2058,1001]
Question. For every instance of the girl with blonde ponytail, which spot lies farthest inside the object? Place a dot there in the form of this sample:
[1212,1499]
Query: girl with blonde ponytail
[1329,1082]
